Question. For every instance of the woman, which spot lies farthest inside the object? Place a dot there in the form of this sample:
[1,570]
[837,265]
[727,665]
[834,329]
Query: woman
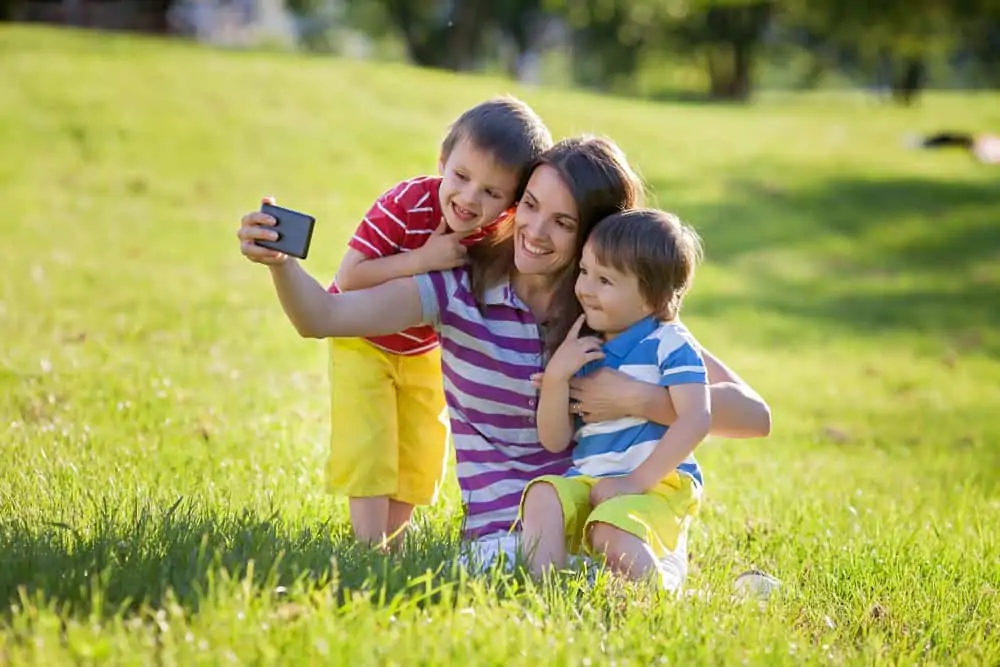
[498,318]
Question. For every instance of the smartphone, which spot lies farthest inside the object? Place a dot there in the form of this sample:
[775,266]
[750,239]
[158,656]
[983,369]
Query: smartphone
[294,229]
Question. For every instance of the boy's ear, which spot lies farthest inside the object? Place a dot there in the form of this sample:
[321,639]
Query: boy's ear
[441,162]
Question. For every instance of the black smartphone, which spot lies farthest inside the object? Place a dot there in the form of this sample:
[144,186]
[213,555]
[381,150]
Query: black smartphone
[294,229]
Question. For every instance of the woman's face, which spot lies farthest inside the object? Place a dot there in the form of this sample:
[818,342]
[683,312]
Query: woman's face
[546,225]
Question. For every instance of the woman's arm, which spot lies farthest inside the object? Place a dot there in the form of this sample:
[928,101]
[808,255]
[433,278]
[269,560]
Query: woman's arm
[315,313]
[737,410]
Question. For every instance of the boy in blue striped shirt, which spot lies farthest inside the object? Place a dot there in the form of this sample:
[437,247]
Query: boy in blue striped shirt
[634,485]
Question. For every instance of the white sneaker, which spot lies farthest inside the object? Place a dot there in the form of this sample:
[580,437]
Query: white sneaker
[755,584]
[480,555]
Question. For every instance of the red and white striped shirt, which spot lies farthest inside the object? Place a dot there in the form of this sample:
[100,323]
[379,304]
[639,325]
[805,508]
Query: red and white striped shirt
[402,219]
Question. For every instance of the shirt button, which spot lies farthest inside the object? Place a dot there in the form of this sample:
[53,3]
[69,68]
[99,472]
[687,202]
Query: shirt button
[531,420]
[532,403]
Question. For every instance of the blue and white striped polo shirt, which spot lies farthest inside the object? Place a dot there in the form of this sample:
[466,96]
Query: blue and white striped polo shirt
[652,351]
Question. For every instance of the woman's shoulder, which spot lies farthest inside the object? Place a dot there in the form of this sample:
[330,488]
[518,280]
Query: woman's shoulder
[450,286]
[457,278]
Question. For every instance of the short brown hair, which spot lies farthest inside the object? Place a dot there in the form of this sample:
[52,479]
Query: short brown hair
[506,128]
[602,182]
[655,247]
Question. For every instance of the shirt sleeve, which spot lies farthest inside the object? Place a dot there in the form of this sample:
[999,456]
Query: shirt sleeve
[432,298]
[680,360]
[383,229]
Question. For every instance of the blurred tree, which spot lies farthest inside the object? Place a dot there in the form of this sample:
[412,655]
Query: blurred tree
[612,37]
[450,34]
[424,26]
[8,9]
[436,33]
[978,34]
[608,38]
[727,34]
[891,41]
[518,21]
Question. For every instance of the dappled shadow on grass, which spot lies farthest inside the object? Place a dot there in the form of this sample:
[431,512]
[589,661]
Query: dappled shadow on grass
[763,214]
[964,316]
[150,567]
[875,254]
[124,560]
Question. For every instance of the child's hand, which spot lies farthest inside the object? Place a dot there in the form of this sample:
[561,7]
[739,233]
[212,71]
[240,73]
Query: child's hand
[611,487]
[574,353]
[444,250]
[256,226]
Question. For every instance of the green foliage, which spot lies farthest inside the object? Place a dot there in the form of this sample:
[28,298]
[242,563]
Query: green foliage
[613,41]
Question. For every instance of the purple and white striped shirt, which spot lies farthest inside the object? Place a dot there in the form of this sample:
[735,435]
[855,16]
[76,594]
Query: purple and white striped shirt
[487,359]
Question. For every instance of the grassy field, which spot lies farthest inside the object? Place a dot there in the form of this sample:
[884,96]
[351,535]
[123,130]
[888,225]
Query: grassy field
[163,430]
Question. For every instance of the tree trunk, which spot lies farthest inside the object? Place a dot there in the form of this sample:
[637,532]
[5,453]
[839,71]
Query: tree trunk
[733,33]
[423,47]
[742,62]
[910,82]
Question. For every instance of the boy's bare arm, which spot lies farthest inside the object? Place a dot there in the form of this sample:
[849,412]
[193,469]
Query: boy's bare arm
[555,424]
[443,250]
[359,272]
[694,419]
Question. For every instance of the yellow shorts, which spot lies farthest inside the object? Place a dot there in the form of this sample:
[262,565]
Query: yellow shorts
[658,517]
[388,428]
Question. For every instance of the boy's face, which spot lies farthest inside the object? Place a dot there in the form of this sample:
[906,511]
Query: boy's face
[611,300]
[475,188]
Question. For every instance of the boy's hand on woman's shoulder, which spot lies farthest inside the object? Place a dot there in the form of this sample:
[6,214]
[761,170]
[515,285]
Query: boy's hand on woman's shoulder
[443,250]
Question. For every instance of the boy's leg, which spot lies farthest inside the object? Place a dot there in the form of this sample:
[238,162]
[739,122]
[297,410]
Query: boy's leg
[398,516]
[645,536]
[553,512]
[369,518]
[422,437]
[363,462]
[542,537]
[633,558]
[625,553]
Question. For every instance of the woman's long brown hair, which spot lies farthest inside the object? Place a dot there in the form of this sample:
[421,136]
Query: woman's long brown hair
[602,183]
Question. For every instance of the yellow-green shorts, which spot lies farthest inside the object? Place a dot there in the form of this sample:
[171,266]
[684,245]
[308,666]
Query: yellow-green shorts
[388,428]
[659,517]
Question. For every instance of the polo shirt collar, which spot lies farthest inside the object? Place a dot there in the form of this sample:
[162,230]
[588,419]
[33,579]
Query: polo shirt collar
[502,294]
[626,341]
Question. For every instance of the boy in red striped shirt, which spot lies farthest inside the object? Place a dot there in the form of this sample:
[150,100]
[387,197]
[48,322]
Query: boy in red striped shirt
[388,434]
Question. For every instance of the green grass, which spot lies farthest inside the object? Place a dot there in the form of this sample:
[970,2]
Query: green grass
[164,430]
